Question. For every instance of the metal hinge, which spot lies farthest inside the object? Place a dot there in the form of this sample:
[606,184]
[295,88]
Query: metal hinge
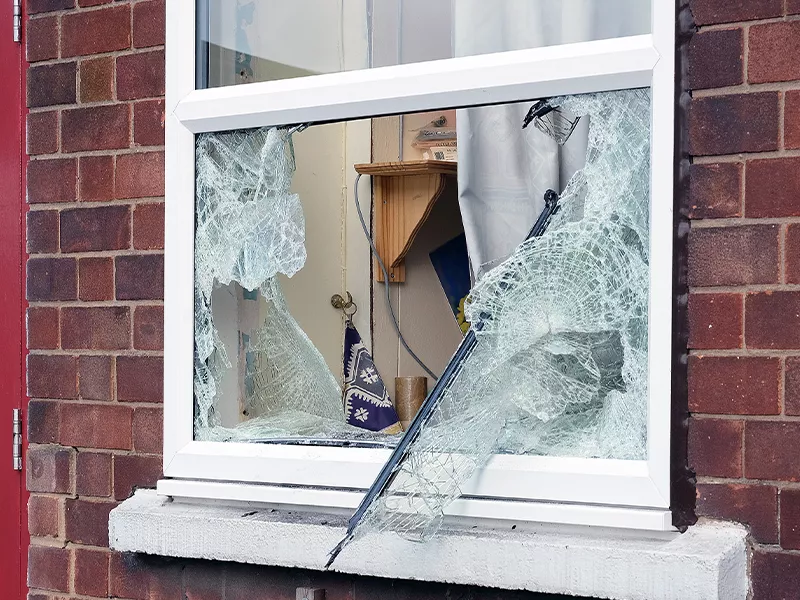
[17,24]
[17,439]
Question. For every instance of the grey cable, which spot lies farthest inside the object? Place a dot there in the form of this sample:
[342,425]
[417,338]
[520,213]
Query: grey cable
[385,272]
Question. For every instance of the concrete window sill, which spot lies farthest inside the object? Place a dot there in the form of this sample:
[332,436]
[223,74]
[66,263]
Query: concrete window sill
[707,562]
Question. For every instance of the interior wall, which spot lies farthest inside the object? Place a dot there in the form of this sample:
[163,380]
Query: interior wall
[424,315]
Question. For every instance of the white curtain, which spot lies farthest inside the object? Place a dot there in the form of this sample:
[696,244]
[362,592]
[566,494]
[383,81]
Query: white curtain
[504,171]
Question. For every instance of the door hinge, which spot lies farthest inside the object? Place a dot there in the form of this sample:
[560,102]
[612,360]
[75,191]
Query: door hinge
[17,24]
[17,439]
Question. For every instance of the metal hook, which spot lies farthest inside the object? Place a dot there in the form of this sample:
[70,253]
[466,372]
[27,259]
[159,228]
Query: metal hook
[297,128]
[348,307]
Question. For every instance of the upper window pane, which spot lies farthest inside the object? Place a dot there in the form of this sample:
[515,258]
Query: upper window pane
[242,41]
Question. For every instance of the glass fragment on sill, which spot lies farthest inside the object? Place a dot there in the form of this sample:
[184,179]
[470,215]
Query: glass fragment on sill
[561,364]
[250,228]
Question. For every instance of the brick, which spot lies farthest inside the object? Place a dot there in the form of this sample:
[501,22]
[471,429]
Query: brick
[42,231]
[772,320]
[734,385]
[42,328]
[204,581]
[49,85]
[715,191]
[43,422]
[51,279]
[91,572]
[41,6]
[93,474]
[792,387]
[140,75]
[148,328]
[790,519]
[96,278]
[96,79]
[140,378]
[41,39]
[86,521]
[140,175]
[83,3]
[48,568]
[792,253]
[96,426]
[773,188]
[148,428]
[42,133]
[96,31]
[754,505]
[95,178]
[715,58]
[244,582]
[715,447]
[93,229]
[774,575]
[140,277]
[96,328]
[148,122]
[733,255]
[771,450]
[707,12]
[52,180]
[791,119]
[95,128]
[52,376]
[148,226]
[132,472]
[733,123]
[774,52]
[43,512]
[793,7]
[716,321]
[140,578]
[95,377]
[49,469]
[149,24]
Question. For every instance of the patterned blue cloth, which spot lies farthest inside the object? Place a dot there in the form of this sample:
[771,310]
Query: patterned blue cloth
[366,401]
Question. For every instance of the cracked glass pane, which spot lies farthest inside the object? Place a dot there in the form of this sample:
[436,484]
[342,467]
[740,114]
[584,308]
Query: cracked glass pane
[560,363]
[559,320]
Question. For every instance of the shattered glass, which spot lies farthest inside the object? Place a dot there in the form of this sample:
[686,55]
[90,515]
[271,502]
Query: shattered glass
[560,367]
[250,228]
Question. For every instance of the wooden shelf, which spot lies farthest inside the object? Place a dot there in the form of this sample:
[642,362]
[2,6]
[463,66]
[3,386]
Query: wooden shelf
[405,193]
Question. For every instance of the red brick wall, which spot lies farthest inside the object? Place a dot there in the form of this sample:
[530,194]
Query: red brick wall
[744,277]
[95,281]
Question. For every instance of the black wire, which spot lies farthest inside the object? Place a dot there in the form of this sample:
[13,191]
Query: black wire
[377,256]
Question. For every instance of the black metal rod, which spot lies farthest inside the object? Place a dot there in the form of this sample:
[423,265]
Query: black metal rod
[464,350]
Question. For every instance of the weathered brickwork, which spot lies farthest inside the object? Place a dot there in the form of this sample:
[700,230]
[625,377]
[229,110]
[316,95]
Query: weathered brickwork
[95,234]
[744,307]
[94,281]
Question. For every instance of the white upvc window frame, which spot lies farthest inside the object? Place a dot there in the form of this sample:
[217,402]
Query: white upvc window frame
[616,493]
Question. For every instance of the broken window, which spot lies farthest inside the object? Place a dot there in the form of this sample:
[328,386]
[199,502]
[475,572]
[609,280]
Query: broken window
[560,367]
[337,228]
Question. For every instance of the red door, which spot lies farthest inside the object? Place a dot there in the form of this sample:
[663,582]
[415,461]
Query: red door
[13,524]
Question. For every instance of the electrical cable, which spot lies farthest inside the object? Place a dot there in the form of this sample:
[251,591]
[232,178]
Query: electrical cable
[385,272]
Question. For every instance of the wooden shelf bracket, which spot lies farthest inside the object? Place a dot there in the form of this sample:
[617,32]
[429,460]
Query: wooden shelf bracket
[405,193]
